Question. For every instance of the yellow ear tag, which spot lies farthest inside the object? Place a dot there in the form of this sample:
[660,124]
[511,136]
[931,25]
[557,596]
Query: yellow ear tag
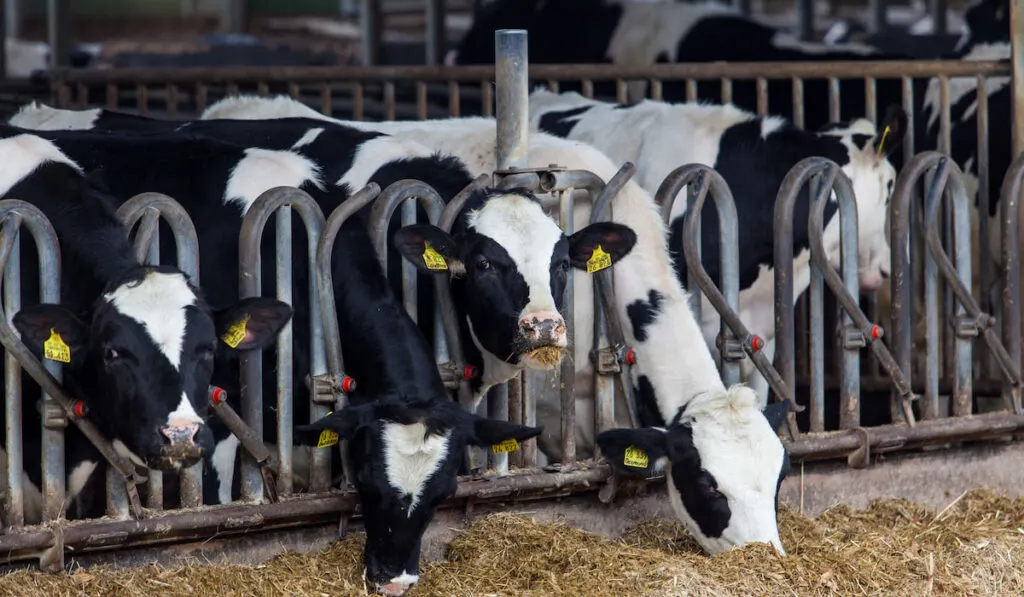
[509,445]
[881,144]
[236,333]
[56,349]
[433,259]
[599,260]
[635,457]
[328,438]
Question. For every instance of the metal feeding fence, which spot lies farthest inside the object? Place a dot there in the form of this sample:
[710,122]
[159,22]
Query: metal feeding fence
[929,182]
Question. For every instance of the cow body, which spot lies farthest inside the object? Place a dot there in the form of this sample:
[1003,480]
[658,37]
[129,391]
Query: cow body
[753,155]
[672,369]
[631,33]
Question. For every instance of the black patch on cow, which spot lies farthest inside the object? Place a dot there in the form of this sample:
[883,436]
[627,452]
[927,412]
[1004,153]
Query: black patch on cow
[647,409]
[697,488]
[642,313]
[861,140]
[559,123]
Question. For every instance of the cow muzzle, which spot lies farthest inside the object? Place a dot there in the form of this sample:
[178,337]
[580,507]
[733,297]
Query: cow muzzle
[544,336]
[181,449]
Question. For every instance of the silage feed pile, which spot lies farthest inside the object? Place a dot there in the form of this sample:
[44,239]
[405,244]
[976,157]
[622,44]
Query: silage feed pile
[975,546]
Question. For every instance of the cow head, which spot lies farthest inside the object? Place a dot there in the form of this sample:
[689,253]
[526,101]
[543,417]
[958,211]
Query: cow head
[509,267]
[724,464]
[406,454]
[143,363]
[873,177]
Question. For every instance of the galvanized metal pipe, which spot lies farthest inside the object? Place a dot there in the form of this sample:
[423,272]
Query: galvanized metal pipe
[1009,210]
[12,382]
[285,366]
[512,98]
[1017,72]
[251,364]
[328,307]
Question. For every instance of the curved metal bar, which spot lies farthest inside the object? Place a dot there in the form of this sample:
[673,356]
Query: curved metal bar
[186,239]
[858,331]
[958,278]
[455,206]
[149,208]
[328,307]
[725,302]
[251,362]
[607,326]
[1013,187]
[20,213]
[390,198]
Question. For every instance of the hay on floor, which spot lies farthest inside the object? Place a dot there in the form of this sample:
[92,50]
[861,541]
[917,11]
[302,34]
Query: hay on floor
[973,547]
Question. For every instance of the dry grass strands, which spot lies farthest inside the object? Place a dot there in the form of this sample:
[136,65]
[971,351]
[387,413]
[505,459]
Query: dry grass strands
[547,355]
[894,547]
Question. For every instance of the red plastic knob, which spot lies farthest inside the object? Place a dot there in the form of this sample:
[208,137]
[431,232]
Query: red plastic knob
[631,357]
[470,372]
[348,385]
[876,332]
[81,409]
[218,395]
[756,343]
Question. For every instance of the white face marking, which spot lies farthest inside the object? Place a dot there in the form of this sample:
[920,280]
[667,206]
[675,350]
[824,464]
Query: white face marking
[79,476]
[740,450]
[409,459]
[223,462]
[124,452]
[529,236]
[264,169]
[22,154]
[406,579]
[39,117]
[961,86]
[183,413]
[159,304]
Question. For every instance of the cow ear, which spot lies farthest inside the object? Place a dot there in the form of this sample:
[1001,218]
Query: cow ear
[54,332]
[891,131]
[776,413]
[490,432]
[337,426]
[251,323]
[429,248]
[634,451]
[600,245]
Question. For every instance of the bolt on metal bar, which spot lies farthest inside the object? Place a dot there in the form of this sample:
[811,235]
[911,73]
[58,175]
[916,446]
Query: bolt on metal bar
[249,285]
[328,307]
[27,215]
[149,207]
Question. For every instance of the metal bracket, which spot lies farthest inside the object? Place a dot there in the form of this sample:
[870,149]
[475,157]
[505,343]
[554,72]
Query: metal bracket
[543,178]
[325,388]
[861,457]
[852,338]
[730,348]
[608,360]
[54,416]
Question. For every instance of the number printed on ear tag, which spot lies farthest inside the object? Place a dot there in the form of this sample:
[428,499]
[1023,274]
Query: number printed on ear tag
[433,260]
[599,260]
[56,349]
[635,457]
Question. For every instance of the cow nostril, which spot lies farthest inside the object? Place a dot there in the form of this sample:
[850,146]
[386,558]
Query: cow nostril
[885,275]
[180,433]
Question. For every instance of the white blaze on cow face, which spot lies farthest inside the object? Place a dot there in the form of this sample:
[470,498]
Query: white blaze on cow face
[873,179]
[411,458]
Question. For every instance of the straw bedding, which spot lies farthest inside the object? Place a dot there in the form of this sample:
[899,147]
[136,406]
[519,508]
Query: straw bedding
[974,546]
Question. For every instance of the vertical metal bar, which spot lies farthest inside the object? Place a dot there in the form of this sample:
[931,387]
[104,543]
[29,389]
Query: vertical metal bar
[358,91]
[1010,217]
[149,228]
[435,31]
[937,8]
[369,16]
[112,99]
[621,91]
[991,366]
[389,101]
[963,381]
[487,98]
[233,17]
[326,100]
[588,88]
[117,495]
[497,409]
[696,294]
[58,24]
[849,416]
[54,465]
[762,96]
[515,414]
[833,99]
[285,391]
[691,90]
[409,272]
[568,366]
[805,19]
[657,93]
[726,90]
[817,350]
[12,20]
[454,99]
[932,316]
[878,22]
[1017,78]
[798,102]
[421,100]
[512,144]
[12,385]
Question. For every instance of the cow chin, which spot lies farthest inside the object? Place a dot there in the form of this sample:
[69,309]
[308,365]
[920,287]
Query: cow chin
[174,459]
[871,282]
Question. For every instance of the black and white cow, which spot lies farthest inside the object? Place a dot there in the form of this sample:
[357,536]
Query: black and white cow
[644,33]
[139,340]
[753,154]
[674,365]
[26,58]
[509,259]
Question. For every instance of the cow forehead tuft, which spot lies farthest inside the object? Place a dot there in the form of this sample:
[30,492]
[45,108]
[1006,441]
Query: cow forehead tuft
[158,302]
[504,216]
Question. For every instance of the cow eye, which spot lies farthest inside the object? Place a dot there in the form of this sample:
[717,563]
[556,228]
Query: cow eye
[483,264]
[110,355]
[205,352]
